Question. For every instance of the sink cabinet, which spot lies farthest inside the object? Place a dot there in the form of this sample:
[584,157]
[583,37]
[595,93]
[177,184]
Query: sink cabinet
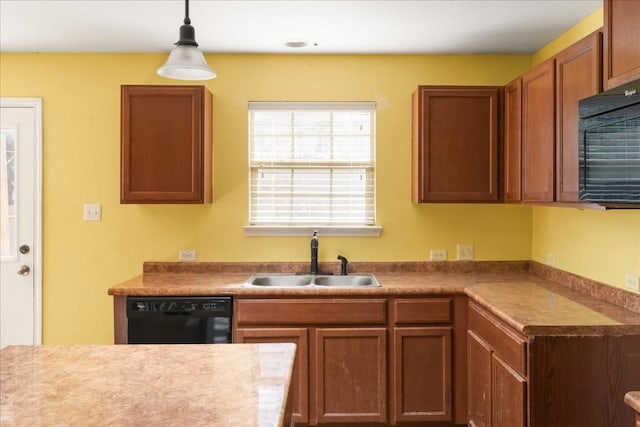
[341,358]
[351,371]
[367,361]
[299,337]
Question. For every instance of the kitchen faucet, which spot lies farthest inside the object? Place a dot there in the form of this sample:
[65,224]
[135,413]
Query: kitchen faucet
[314,253]
[343,265]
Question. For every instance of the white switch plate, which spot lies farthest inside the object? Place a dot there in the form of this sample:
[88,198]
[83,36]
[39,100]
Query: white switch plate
[438,255]
[187,255]
[465,252]
[92,211]
[633,282]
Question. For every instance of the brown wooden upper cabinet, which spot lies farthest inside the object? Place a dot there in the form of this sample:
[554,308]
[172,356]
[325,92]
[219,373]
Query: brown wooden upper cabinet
[540,146]
[578,76]
[165,144]
[621,42]
[538,133]
[455,143]
[513,141]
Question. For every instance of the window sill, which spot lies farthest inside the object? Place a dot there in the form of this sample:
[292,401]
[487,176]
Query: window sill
[304,230]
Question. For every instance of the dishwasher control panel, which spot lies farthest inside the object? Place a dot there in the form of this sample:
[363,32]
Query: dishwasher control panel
[167,305]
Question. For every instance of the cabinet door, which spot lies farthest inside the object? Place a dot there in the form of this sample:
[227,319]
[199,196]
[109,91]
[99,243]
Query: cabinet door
[509,395]
[300,377]
[538,133]
[165,144]
[478,381]
[350,381]
[513,141]
[455,144]
[422,374]
[621,42]
[577,76]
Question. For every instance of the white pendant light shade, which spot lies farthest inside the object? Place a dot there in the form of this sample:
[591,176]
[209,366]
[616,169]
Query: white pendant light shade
[186,63]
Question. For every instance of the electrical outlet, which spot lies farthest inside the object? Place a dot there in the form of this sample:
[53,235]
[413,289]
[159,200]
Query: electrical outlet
[551,260]
[465,252]
[633,282]
[187,255]
[438,255]
[92,212]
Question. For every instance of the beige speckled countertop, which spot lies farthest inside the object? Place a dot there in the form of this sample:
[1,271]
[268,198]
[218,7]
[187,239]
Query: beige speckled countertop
[531,304]
[633,399]
[194,385]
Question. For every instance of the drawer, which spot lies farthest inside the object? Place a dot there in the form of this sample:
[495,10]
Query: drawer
[310,311]
[508,344]
[423,310]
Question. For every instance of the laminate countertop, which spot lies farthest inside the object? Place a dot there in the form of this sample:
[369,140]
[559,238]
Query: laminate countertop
[633,399]
[239,385]
[531,304]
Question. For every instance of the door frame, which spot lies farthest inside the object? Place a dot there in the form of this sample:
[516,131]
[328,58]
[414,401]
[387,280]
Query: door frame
[36,105]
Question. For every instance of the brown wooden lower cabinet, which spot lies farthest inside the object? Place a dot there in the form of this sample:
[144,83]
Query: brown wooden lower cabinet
[364,361]
[496,364]
[298,336]
[479,382]
[351,371]
[342,353]
[547,381]
[422,387]
[509,395]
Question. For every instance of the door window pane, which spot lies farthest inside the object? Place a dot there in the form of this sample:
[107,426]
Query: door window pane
[8,207]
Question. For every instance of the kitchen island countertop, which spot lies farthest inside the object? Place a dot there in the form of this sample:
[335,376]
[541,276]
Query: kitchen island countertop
[240,385]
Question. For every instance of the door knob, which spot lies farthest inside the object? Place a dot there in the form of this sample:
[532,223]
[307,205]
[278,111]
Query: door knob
[24,270]
[24,249]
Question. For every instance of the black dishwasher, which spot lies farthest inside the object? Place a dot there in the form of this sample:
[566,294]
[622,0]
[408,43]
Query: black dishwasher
[179,320]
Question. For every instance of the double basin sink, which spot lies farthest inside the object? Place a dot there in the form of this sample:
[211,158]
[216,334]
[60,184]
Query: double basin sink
[276,280]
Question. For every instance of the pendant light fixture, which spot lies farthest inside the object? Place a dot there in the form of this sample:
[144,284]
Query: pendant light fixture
[185,61]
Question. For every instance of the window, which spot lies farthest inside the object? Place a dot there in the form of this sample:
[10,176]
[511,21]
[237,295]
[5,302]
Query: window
[8,206]
[312,164]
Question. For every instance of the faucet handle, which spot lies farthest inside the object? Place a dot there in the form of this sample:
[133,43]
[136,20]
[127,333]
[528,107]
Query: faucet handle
[343,265]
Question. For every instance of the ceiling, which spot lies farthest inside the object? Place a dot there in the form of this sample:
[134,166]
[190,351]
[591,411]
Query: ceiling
[264,26]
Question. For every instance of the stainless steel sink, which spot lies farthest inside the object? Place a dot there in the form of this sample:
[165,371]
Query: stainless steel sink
[353,281]
[279,280]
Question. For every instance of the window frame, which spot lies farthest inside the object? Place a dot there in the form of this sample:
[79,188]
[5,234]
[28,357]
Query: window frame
[292,229]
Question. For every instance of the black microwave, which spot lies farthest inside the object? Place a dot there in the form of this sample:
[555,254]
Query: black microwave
[609,147]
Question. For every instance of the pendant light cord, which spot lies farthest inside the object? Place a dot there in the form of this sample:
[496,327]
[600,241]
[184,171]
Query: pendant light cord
[187,21]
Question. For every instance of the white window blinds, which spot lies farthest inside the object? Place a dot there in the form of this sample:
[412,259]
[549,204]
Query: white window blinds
[312,163]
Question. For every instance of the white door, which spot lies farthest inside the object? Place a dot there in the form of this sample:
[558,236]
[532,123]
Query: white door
[20,221]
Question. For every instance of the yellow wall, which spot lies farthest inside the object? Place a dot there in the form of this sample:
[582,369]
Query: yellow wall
[81,104]
[600,245]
